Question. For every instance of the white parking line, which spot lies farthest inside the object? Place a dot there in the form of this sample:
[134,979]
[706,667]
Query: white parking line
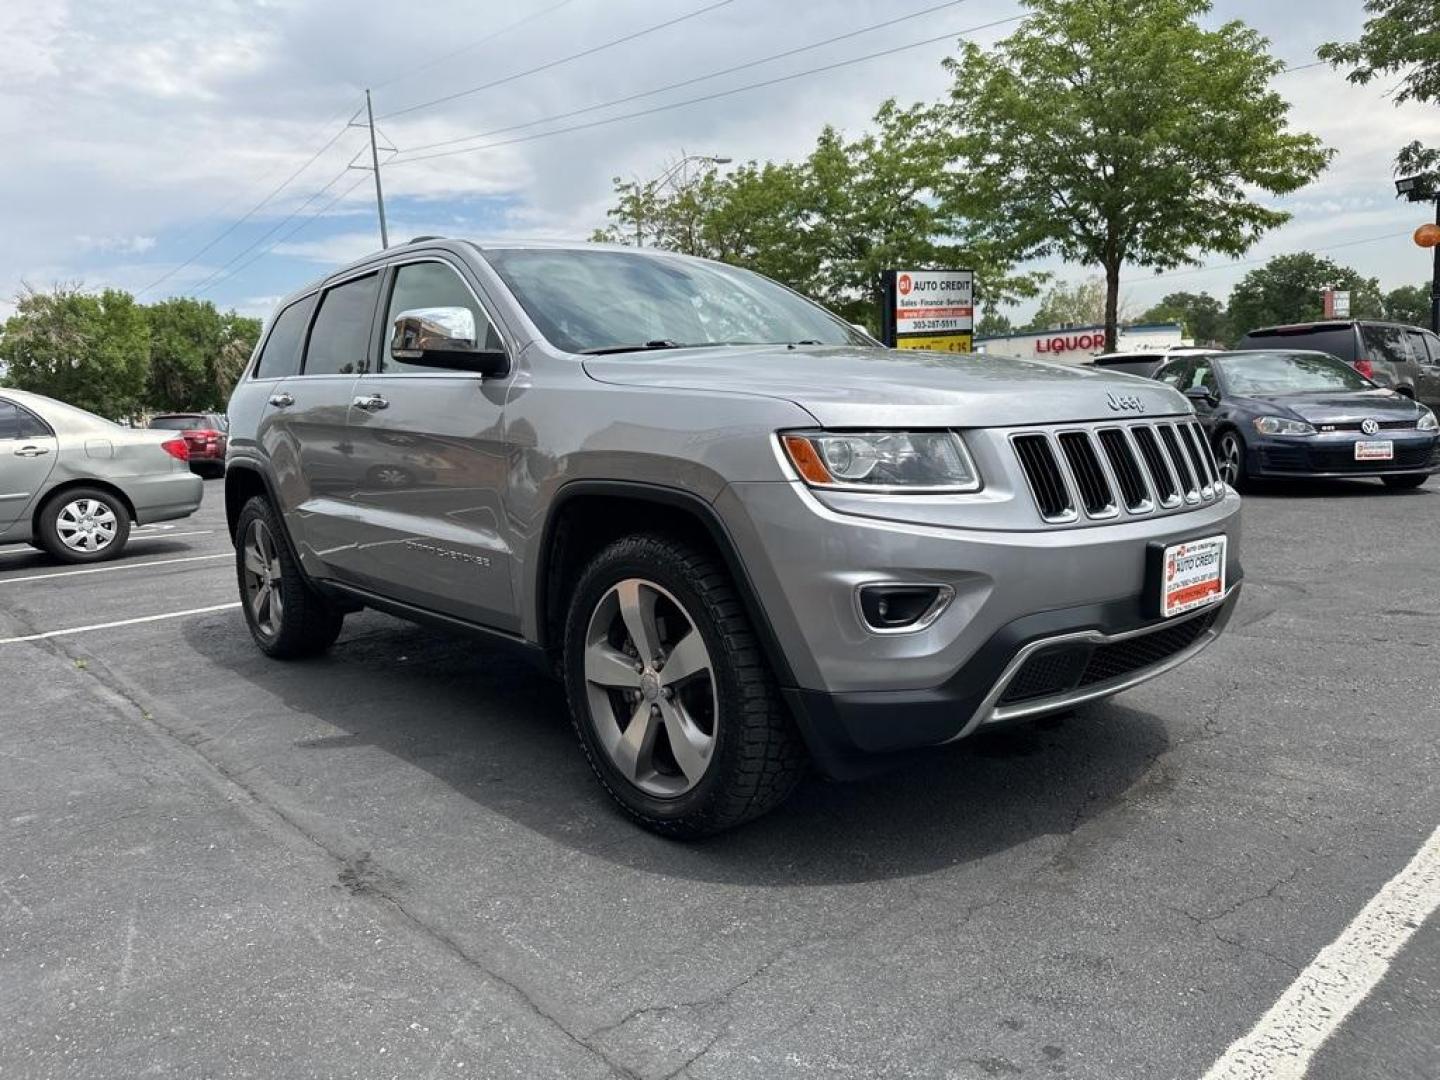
[117,566]
[134,535]
[122,622]
[1282,1045]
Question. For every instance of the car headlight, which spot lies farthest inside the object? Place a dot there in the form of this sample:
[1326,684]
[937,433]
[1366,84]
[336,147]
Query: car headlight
[1280,425]
[909,461]
[1427,420]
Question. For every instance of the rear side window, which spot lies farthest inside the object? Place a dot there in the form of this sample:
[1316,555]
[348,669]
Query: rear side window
[1418,352]
[20,423]
[280,358]
[1387,343]
[340,338]
[1433,343]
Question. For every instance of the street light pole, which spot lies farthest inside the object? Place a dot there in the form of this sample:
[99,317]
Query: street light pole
[375,165]
[1435,278]
[1418,189]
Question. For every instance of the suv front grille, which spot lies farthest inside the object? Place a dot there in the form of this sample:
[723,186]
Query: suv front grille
[1138,466]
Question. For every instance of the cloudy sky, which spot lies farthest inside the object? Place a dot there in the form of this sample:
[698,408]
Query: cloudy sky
[139,135]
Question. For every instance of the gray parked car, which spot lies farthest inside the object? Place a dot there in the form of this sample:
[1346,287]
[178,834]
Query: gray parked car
[1404,358]
[73,483]
[743,533]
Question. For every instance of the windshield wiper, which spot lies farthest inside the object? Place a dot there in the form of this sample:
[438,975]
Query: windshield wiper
[658,343]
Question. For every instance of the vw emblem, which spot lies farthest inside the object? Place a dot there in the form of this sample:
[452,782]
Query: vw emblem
[1369,426]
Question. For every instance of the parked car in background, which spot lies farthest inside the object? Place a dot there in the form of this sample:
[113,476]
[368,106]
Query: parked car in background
[73,483]
[1143,363]
[1404,358]
[745,533]
[1305,414]
[204,433]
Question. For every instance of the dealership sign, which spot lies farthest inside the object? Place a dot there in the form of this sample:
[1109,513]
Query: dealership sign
[930,309]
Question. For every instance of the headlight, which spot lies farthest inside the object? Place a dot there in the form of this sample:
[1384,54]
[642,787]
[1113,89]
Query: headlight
[1427,420]
[883,460]
[1279,425]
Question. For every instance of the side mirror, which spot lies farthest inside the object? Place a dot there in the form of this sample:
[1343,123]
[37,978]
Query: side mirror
[444,337]
[1201,393]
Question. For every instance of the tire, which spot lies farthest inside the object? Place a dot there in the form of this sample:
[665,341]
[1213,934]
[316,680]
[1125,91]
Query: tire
[287,618]
[1230,458]
[744,754]
[84,525]
[1404,482]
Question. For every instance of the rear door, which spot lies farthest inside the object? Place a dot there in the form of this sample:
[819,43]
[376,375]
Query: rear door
[432,464]
[307,440]
[27,455]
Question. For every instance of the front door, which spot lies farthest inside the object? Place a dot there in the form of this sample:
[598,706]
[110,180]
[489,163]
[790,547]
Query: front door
[430,464]
[27,454]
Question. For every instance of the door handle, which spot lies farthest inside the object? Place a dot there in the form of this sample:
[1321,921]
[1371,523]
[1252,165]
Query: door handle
[32,451]
[281,401]
[373,403]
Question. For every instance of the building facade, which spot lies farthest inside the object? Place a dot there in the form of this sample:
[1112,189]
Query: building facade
[1077,344]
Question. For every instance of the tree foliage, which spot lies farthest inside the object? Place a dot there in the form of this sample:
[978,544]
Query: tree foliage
[108,354]
[1065,304]
[1402,38]
[1203,317]
[1115,132]
[1409,304]
[1288,289]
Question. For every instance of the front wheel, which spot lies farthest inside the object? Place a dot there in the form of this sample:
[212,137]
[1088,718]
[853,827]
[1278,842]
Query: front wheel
[1230,457]
[1403,482]
[670,694]
[287,618]
[84,525]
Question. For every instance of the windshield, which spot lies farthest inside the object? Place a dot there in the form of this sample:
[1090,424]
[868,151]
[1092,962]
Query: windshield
[1287,373]
[586,301]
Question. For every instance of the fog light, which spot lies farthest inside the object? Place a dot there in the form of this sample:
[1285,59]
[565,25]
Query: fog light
[898,608]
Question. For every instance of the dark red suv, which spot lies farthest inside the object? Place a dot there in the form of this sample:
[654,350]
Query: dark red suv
[204,434]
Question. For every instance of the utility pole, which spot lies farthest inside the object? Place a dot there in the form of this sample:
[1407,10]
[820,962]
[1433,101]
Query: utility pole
[375,165]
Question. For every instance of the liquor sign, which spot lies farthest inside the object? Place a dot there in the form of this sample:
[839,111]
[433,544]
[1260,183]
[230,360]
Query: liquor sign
[930,309]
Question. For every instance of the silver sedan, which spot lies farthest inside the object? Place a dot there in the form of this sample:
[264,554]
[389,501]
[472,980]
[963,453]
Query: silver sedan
[73,483]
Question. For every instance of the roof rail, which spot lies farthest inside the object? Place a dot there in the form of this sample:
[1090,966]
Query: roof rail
[418,239]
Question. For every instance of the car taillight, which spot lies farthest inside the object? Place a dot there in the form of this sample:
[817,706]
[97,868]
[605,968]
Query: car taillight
[203,435]
[179,449]
[1366,368]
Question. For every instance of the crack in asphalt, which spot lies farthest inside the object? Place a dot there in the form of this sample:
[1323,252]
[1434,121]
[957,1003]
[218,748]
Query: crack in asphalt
[116,693]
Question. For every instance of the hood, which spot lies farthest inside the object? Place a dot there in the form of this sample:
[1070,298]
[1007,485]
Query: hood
[844,386]
[1339,406]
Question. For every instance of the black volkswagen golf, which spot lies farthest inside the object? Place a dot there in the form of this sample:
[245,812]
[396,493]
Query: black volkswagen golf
[1305,414]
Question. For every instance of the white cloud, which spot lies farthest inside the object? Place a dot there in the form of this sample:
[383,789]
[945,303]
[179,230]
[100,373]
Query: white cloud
[125,245]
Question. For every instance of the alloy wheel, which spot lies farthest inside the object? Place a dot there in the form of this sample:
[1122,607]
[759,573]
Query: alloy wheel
[86,525]
[651,688]
[262,579]
[1230,457]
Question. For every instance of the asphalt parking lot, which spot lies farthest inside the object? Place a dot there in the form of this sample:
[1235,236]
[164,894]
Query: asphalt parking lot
[393,862]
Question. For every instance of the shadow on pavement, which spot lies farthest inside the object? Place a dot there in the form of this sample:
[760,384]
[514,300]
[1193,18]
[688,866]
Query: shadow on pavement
[1359,488]
[499,734]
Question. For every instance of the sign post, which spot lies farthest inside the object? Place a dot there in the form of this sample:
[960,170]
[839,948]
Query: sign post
[930,309]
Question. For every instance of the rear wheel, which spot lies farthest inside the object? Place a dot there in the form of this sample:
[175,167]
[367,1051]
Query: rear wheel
[84,525]
[1404,481]
[669,692]
[1230,457]
[287,618]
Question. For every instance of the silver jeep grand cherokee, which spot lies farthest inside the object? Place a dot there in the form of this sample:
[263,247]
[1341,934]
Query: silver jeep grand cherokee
[745,534]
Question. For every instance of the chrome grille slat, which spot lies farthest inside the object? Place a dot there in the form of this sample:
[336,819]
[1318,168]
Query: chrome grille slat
[1117,469]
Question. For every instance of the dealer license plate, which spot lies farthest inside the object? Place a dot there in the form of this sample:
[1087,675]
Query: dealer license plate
[1194,575]
[1383,450]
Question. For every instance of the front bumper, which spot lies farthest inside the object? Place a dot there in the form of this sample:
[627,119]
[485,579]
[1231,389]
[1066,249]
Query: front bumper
[1332,455]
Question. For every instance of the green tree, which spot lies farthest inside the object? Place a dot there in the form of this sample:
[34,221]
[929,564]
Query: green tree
[1288,289]
[185,336]
[1202,315]
[1409,304]
[993,322]
[1401,39]
[238,335]
[1117,132]
[1080,304]
[91,351]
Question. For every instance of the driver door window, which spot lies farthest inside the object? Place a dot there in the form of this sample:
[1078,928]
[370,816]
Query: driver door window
[1173,373]
[431,285]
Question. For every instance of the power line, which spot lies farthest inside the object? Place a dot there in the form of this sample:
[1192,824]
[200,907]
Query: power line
[696,79]
[248,213]
[1252,262]
[708,97]
[556,63]
[434,60]
[281,239]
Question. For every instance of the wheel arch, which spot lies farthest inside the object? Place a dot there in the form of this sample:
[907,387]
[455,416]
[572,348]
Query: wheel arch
[243,481]
[587,515]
